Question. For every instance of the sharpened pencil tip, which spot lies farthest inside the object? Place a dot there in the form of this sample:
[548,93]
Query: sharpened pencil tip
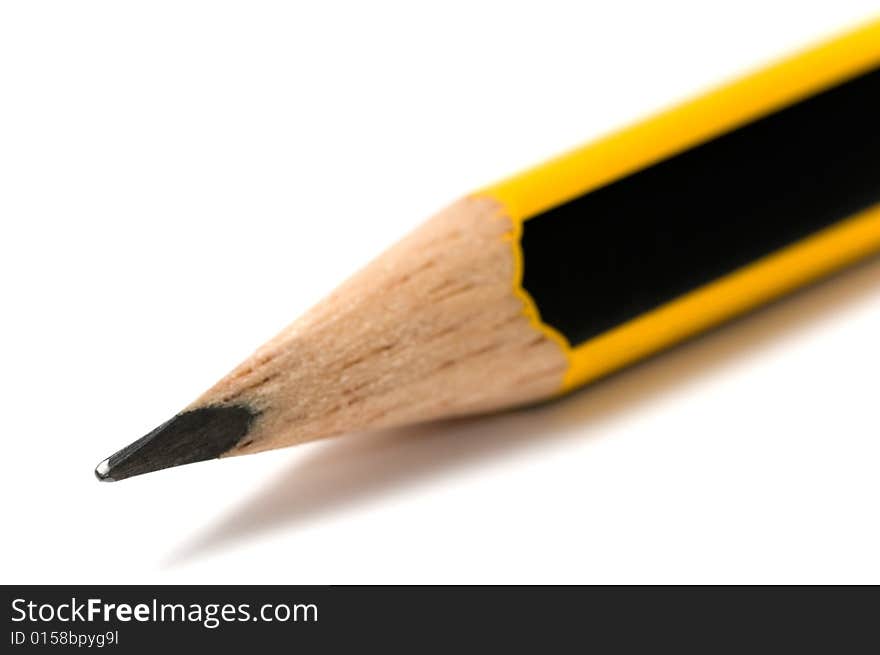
[193,436]
[102,471]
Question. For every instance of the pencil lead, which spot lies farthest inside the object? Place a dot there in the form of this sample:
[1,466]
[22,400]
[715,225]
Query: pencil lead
[192,436]
[102,471]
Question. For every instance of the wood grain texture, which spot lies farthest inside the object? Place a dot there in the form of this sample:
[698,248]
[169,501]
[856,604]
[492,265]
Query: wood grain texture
[430,329]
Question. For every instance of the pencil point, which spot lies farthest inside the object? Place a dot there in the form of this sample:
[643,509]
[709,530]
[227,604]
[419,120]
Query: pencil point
[102,471]
[189,437]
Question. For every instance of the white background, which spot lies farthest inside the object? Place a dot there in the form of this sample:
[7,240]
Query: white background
[166,165]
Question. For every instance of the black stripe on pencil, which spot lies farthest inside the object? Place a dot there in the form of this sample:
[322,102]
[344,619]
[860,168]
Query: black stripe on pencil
[639,242]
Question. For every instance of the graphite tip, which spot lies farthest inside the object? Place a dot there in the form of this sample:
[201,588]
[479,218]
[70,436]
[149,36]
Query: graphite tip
[192,436]
[102,471]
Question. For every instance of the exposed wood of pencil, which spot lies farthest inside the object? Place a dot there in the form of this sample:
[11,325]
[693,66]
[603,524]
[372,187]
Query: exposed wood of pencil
[432,328]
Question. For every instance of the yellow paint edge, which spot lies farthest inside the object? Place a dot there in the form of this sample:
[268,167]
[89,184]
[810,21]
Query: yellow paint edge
[530,309]
[827,251]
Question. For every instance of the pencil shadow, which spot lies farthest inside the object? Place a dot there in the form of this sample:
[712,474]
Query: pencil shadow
[349,471]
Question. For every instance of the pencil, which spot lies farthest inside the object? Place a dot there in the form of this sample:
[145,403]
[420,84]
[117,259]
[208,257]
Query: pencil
[567,272]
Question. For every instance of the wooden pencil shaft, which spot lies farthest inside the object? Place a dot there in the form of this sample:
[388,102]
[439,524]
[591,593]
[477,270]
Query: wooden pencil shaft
[568,272]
